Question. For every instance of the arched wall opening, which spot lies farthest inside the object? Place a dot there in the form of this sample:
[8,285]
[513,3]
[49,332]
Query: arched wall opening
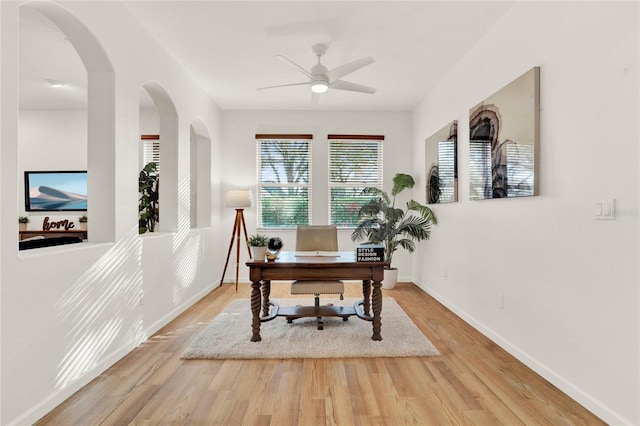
[168,132]
[100,118]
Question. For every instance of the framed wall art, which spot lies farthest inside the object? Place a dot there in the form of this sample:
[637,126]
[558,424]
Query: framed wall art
[503,141]
[441,159]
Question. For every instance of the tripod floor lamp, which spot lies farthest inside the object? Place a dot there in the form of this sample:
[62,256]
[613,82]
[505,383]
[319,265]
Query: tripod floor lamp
[238,199]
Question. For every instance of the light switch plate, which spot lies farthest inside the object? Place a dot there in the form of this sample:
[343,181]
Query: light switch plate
[605,209]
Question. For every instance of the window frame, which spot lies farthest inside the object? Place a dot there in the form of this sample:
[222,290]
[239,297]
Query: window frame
[150,149]
[260,138]
[355,184]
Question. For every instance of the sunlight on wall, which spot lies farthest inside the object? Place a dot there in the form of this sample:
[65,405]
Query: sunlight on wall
[188,249]
[97,305]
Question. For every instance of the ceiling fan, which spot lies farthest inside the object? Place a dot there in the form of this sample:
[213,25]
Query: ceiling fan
[321,79]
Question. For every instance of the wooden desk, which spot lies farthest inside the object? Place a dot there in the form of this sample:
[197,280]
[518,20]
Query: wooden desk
[290,267]
[52,234]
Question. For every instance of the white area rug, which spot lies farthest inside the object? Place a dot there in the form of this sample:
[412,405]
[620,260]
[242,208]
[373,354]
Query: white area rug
[228,336]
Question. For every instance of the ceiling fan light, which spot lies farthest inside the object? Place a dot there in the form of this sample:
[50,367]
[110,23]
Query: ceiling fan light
[55,83]
[319,87]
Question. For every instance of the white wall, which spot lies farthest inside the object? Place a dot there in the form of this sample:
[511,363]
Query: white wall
[570,283]
[51,140]
[239,168]
[69,312]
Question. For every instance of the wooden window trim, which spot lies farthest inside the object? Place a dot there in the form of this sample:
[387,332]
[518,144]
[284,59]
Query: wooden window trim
[283,136]
[357,137]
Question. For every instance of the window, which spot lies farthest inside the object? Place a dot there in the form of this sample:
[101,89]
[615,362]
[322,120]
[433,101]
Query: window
[486,175]
[355,162]
[151,150]
[520,160]
[479,169]
[283,171]
[447,171]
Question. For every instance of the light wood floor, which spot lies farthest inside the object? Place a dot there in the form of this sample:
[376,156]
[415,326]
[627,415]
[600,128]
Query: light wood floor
[474,382]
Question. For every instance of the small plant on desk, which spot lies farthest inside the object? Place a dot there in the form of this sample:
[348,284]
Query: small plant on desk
[83,222]
[23,221]
[258,240]
[258,244]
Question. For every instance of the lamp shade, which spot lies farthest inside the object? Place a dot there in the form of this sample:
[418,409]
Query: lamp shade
[238,198]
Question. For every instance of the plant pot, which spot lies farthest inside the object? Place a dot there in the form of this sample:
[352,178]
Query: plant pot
[83,226]
[22,226]
[390,278]
[258,253]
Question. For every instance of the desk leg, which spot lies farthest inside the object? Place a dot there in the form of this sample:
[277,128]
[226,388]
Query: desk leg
[366,296]
[266,291]
[255,311]
[376,301]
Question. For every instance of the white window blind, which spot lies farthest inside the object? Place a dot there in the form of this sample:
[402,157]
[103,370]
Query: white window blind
[447,170]
[520,160]
[480,170]
[483,172]
[283,187]
[151,150]
[355,162]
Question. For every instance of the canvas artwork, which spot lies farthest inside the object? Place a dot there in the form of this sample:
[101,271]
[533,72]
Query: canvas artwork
[503,141]
[55,190]
[441,159]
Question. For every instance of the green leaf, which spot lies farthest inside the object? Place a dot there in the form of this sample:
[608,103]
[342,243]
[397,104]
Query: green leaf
[401,182]
[380,222]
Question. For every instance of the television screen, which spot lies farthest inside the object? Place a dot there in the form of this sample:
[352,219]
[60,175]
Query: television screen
[55,191]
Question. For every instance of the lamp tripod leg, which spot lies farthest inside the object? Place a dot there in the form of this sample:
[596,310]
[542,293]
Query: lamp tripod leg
[226,264]
[246,238]
[239,218]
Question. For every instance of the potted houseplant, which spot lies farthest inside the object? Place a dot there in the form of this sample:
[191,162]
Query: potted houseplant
[258,244]
[83,222]
[23,221]
[381,222]
[148,206]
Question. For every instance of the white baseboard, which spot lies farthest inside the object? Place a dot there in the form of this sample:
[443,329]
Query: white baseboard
[151,329]
[56,398]
[583,398]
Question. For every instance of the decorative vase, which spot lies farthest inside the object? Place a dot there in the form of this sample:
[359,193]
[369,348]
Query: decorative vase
[22,226]
[83,226]
[390,278]
[258,253]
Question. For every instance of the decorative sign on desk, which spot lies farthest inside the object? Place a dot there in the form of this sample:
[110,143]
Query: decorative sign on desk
[369,253]
[54,226]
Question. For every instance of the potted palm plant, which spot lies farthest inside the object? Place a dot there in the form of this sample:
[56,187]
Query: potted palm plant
[381,222]
[258,244]
[148,206]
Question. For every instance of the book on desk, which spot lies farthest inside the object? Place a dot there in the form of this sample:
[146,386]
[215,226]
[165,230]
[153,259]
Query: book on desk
[369,253]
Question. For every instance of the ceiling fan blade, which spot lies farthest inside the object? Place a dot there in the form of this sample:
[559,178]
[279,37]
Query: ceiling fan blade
[345,69]
[294,65]
[345,85]
[283,85]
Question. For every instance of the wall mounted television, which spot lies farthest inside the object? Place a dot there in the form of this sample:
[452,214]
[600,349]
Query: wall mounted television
[55,191]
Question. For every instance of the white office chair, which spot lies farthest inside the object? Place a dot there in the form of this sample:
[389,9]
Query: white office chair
[317,238]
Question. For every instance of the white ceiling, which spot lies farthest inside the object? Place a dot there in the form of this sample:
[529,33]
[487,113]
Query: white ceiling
[229,48]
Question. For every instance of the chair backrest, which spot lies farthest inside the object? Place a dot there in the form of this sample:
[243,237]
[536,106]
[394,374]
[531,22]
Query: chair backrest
[317,237]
